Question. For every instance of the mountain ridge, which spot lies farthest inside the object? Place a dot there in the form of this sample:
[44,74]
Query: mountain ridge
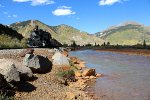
[65,34]
[128,33]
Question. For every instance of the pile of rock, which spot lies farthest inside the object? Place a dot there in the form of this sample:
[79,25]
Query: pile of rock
[14,71]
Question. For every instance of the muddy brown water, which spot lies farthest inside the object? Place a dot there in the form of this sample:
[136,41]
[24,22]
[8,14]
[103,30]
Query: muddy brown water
[126,77]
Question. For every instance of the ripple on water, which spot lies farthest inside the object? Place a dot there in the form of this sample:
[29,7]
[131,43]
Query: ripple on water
[127,77]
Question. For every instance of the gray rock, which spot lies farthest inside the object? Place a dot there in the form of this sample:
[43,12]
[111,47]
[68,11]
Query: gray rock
[37,63]
[60,59]
[25,72]
[9,70]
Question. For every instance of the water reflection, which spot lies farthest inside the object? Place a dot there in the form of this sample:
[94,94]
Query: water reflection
[127,77]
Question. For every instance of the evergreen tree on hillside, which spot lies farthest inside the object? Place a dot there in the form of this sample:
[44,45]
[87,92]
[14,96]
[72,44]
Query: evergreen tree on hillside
[144,43]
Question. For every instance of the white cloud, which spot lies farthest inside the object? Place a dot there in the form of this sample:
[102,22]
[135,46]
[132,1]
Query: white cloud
[63,10]
[37,2]
[109,2]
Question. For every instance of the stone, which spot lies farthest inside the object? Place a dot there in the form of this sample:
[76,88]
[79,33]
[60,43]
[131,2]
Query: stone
[98,75]
[92,77]
[82,65]
[74,60]
[27,51]
[9,70]
[78,73]
[60,59]
[88,72]
[25,72]
[37,63]
[86,77]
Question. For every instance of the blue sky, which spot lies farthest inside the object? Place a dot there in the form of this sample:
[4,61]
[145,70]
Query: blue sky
[86,15]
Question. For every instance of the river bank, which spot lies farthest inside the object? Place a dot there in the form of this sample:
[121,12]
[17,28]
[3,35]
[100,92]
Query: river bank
[129,51]
[142,52]
[49,85]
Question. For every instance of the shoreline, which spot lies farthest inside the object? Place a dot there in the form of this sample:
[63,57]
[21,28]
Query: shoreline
[129,51]
[50,82]
[140,52]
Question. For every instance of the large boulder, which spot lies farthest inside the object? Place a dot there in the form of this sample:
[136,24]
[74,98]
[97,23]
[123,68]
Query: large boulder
[25,72]
[37,63]
[89,72]
[60,59]
[9,70]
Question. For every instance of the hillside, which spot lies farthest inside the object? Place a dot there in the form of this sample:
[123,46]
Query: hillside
[63,33]
[10,38]
[128,33]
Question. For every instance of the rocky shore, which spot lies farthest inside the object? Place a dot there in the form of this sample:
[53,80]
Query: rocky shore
[45,74]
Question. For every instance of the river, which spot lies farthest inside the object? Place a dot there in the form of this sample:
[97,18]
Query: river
[126,77]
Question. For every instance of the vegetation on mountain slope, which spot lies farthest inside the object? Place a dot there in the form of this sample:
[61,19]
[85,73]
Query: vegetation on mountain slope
[63,33]
[10,38]
[126,34]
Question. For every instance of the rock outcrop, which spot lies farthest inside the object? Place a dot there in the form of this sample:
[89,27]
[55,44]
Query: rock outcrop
[37,63]
[60,59]
[24,72]
[89,72]
[9,70]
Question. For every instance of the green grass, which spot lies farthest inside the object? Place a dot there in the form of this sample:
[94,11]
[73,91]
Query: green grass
[127,37]
[66,74]
[8,42]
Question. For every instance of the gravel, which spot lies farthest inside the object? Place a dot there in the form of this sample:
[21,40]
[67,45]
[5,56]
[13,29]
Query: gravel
[42,86]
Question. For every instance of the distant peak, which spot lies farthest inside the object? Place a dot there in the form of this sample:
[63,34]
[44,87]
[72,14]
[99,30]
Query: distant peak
[129,23]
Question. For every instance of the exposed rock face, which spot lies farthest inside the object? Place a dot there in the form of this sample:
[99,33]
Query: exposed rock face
[88,72]
[9,70]
[60,59]
[37,63]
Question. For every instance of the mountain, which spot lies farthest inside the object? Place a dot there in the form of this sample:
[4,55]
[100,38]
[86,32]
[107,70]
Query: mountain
[129,33]
[9,38]
[63,33]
